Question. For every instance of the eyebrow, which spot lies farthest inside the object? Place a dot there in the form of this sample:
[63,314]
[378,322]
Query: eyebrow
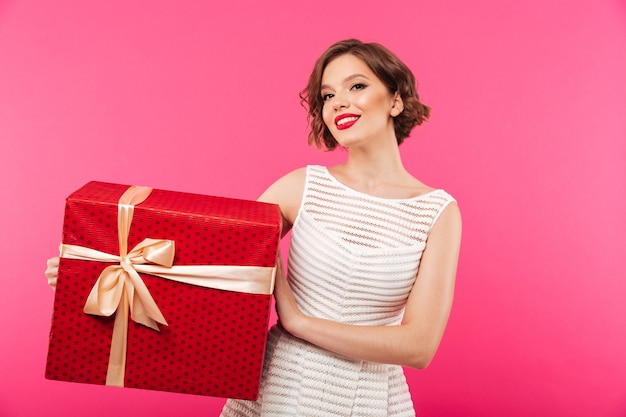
[345,80]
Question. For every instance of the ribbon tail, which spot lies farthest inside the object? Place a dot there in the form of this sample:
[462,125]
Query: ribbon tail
[143,308]
[140,316]
[117,357]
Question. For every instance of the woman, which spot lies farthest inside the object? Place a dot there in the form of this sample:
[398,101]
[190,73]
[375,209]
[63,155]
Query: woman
[373,252]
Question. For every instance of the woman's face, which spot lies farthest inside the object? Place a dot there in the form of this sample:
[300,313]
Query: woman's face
[358,107]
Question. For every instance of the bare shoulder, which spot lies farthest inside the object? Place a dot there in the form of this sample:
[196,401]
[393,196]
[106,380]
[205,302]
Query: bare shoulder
[448,226]
[282,189]
[287,192]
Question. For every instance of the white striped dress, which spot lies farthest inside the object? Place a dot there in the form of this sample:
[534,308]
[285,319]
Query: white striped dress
[353,259]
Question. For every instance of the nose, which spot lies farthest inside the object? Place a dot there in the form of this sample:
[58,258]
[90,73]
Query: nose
[340,102]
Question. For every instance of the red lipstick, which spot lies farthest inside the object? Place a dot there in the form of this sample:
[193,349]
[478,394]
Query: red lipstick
[344,121]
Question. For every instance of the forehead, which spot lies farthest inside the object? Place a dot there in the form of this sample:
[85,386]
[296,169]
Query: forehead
[343,67]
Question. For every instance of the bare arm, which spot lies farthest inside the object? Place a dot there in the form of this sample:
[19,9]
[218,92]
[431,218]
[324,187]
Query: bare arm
[287,193]
[412,343]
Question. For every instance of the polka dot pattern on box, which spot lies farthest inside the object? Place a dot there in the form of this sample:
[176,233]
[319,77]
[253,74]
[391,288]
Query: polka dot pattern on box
[215,340]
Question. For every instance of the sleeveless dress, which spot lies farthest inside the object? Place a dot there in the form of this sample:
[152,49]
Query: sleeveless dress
[353,258]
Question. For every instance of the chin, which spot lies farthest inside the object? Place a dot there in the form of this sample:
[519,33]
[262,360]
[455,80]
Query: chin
[346,142]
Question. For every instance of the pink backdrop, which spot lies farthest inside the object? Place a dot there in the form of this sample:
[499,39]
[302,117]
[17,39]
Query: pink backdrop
[528,132]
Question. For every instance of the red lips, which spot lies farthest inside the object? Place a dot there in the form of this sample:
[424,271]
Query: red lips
[344,121]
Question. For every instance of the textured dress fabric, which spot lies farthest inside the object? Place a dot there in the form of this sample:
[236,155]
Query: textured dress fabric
[353,259]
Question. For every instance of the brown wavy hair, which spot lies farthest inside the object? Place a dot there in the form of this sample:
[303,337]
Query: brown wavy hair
[396,76]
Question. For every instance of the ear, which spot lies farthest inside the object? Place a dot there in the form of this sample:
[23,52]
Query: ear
[397,106]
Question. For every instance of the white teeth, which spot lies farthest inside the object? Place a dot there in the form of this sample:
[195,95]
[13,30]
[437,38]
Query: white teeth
[346,120]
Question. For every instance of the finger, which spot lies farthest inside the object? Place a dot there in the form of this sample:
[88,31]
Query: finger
[52,282]
[52,271]
[53,262]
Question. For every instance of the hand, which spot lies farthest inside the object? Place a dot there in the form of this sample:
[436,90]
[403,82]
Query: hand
[289,314]
[52,271]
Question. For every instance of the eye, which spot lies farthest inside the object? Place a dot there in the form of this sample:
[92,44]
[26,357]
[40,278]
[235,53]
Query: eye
[326,97]
[358,86]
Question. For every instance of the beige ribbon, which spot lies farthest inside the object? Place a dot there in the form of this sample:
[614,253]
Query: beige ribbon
[120,289]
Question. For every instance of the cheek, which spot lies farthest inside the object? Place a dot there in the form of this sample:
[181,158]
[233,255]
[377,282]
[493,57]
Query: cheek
[377,101]
[327,117]
[382,103]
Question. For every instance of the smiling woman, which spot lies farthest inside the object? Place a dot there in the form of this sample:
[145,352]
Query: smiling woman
[373,254]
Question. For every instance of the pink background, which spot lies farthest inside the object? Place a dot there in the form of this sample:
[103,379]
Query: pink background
[528,132]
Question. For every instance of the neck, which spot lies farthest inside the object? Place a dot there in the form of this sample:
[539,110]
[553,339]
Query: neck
[375,163]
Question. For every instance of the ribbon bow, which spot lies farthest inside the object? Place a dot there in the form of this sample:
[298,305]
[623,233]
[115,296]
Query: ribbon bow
[119,282]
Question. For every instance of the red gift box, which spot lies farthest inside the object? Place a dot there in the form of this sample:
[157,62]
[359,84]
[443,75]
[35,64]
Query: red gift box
[214,291]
